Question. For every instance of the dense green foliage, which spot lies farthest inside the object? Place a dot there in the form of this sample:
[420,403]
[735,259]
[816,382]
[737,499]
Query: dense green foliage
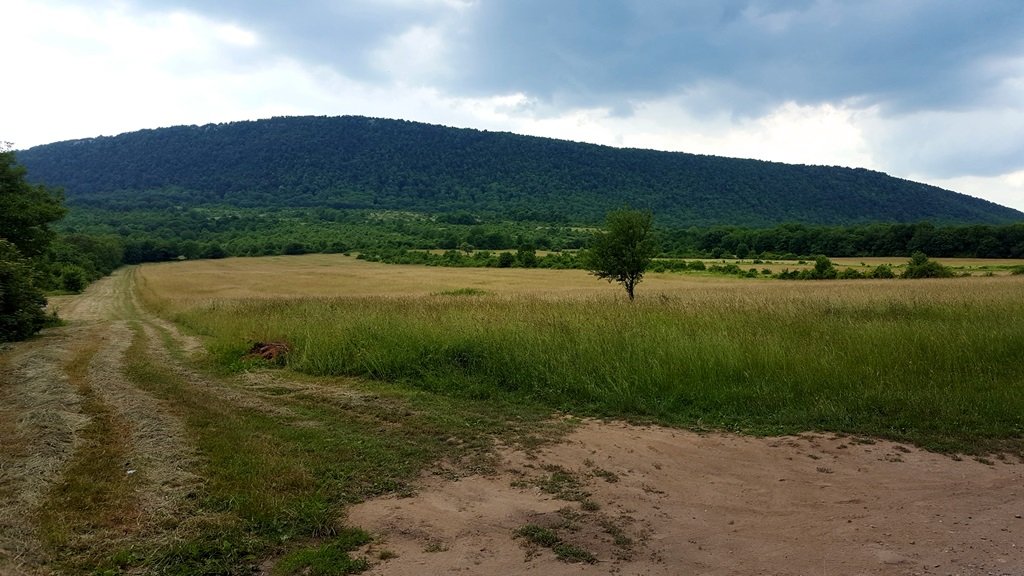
[21,299]
[213,232]
[623,250]
[375,164]
[26,212]
[970,241]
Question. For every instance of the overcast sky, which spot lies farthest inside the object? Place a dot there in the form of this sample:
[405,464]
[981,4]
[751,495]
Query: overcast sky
[930,90]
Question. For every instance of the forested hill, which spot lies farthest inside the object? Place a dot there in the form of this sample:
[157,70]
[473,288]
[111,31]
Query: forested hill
[365,163]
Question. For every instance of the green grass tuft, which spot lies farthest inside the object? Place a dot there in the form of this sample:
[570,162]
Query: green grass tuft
[330,559]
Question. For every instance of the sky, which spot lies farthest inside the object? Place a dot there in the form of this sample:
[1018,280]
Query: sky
[928,90]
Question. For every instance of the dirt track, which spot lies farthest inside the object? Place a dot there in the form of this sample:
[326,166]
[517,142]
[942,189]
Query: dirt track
[641,500]
[44,416]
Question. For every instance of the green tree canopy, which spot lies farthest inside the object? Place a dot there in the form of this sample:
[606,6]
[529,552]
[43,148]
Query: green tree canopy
[622,252]
[26,210]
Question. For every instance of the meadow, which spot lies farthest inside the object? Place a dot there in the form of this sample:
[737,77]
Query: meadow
[933,362]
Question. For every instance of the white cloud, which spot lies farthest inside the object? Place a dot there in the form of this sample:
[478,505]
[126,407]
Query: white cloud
[88,72]
[1005,189]
[416,55]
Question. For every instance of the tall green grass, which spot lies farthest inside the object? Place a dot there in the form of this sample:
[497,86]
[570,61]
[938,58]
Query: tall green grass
[944,370]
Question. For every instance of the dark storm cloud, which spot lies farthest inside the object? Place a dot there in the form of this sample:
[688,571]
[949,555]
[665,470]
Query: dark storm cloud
[905,54]
[900,53]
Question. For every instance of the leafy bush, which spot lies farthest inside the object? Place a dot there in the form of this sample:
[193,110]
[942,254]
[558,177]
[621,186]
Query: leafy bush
[73,278]
[882,271]
[921,267]
[823,269]
[21,300]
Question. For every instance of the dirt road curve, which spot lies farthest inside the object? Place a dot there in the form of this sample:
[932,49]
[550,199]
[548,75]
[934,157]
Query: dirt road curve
[634,500]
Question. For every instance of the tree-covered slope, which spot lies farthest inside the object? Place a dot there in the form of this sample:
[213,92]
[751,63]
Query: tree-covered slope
[365,163]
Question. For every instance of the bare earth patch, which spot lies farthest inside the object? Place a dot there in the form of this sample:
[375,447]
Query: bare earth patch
[650,500]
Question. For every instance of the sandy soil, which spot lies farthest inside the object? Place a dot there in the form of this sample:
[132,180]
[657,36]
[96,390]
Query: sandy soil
[714,504]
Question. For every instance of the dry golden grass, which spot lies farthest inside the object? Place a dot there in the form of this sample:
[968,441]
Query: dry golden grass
[178,286]
[186,284]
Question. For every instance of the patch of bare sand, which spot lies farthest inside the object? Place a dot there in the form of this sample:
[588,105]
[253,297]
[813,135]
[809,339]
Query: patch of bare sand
[683,503]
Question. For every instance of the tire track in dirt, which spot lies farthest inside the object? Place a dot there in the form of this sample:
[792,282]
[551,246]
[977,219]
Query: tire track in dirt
[41,415]
[161,454]
[43,418]
[160,451]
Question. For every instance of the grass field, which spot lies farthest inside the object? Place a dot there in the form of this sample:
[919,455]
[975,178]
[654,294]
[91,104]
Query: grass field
[935,362]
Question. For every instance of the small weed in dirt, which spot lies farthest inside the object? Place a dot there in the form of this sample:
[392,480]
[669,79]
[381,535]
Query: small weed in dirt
[548,538]
[538,535]
[607,475]
[824,469]
[573,554]
[328,560]
[562,484]
[386,555]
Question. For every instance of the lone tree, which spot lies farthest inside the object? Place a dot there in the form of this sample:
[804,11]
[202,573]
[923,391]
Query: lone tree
[622,252]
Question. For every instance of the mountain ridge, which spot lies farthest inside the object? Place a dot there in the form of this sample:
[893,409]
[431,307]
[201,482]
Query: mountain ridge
[354,162]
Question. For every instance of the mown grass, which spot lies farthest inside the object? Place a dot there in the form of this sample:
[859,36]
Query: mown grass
[94,502]
[937,363]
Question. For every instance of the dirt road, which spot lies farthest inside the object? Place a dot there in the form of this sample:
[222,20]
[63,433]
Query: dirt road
[617,498]
[55,392]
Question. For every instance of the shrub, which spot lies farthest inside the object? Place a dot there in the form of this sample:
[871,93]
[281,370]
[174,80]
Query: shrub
[882,271]
[21,300]
[921,267]
[823,269]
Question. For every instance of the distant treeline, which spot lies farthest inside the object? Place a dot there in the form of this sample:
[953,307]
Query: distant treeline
[798,240]
[94,242]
